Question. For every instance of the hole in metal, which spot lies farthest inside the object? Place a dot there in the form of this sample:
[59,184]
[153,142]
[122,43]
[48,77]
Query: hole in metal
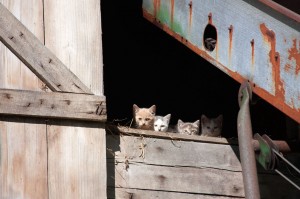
[210,37]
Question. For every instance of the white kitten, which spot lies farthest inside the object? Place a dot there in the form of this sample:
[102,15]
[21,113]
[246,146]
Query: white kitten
[161,123]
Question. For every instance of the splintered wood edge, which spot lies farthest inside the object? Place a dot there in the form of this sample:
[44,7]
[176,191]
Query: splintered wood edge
[123,130]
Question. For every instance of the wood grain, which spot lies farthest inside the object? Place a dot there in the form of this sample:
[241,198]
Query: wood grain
[23,159]
[73,34]
[77,164]
[113,129]
[175,153]
[14,74]
[179,179]
[53,105]
[31,51]
[150,194]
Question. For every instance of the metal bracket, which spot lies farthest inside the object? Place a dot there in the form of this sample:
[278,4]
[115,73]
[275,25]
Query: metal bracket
[270,157]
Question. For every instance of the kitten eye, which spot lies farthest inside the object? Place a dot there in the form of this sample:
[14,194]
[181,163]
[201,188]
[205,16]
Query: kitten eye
[162,126]
[139,118]
[215,127]
[155,125]
[208,127]
[147,119]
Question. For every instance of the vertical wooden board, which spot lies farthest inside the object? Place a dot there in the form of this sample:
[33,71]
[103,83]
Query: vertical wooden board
[77,162]
[73,34]
[14,74]
[23,159]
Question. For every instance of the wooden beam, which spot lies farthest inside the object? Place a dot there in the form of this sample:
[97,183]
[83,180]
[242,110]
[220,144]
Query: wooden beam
[113,129]
[53,105]
[39,59]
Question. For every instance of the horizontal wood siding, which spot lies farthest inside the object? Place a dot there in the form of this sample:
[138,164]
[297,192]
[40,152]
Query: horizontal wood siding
[142,166]
[148,165]
[150,194]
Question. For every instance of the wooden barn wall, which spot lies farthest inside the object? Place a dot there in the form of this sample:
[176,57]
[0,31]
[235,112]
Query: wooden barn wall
[170,167]
[42,158]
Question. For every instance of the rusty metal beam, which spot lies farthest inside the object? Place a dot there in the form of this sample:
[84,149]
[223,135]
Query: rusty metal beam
[255,46]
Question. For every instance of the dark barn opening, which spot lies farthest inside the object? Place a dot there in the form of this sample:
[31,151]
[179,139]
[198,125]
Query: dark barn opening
[146,66]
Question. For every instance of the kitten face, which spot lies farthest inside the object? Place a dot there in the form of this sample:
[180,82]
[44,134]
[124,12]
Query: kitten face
[211,126]
[188,128]
[144,117]
[162,123]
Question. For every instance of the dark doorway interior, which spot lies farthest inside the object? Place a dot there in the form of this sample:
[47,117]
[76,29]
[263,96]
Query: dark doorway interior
[146,66]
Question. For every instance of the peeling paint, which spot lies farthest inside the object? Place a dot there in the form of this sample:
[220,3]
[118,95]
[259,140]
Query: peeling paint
[294,53]
[274,58]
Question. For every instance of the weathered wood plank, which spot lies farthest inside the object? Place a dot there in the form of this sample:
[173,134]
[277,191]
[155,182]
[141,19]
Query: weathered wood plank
[178,179]
[76,38]
[76,163]
[174,153]
[23,159]
[14,74]
[122,193]
[36,56]
[167,135]
[53,105]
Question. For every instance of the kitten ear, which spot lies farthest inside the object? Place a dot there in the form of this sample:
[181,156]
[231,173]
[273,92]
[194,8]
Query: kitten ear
[197,123]
[168,117]
[203,118]
[180,122]
[153,109]
[220,118]
[135,108]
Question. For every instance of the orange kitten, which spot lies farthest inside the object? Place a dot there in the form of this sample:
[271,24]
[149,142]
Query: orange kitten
[144,117]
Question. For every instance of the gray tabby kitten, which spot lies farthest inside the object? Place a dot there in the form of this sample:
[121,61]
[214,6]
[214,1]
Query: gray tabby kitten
[211,126]
[188,128]
[161,123]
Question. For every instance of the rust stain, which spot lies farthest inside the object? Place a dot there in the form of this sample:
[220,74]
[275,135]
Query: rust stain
[230,42]
[287,67]
[294,53]
[156,5]
[274,57]
[275,101]
[190,13]
[210,18]
[172,13]
[252,52]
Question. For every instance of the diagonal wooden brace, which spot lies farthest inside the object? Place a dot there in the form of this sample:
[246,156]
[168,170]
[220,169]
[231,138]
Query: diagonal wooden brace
[38,58]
